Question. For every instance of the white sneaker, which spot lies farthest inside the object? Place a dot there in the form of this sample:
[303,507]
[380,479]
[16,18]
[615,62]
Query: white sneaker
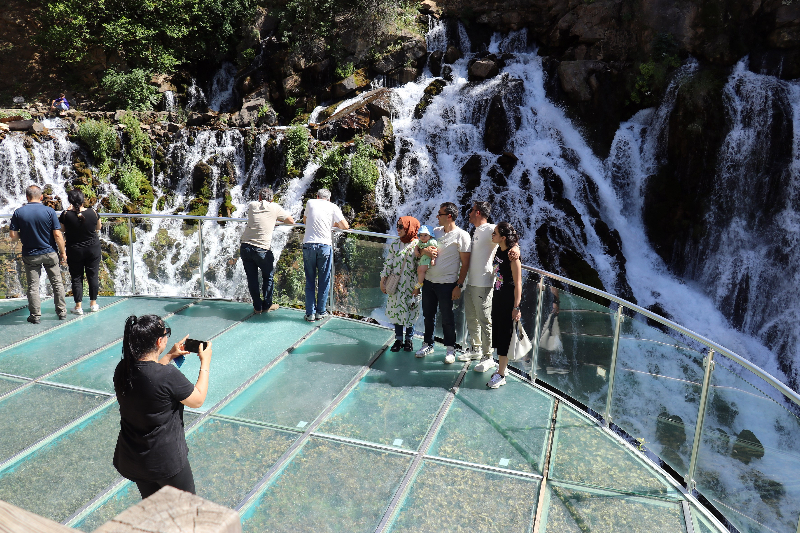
[94,308]
[76,311]
[487,363]
[469,355]
[451,355]
[426,349]
[496,381]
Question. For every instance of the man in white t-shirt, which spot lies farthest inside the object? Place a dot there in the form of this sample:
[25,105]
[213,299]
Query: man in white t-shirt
[320,217]
[445,279]
[256,248]
[478,292]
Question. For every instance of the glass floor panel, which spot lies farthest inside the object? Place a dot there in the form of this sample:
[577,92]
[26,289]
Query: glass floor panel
[505,427]
[8,305]
[37,411]
[447,498]
[16,327]
[327,484]
[310,496]
[9,384]
[396,402]
[571,510]
[65,474]
[46,353]
[298,388]
[583,453]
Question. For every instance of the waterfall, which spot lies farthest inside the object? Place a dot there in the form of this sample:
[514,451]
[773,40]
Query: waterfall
[170,102]
[222,88]
[436,37]
[195,96]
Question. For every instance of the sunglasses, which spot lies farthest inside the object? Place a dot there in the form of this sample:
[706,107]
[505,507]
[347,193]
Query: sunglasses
[167,331]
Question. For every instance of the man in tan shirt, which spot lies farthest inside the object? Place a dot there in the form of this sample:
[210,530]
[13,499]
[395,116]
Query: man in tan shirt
[256,248]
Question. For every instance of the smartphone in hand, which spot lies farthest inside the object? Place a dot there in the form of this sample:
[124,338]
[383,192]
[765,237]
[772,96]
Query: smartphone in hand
[193,345]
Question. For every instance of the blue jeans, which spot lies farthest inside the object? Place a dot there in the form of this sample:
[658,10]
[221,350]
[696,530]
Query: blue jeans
[317,263]
[253,260]
[439,295]
[398,332]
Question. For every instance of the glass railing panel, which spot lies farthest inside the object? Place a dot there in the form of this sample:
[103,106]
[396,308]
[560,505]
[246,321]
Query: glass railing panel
[444,497]
[115,262]
[583,453]
[749,460]
[9,306]
[701,523]
[228,458]
[11,272]
[506,427]
[656,397]
[578,509]
[396,402]
[577,360]
[358,261]
[36,411]
[528,308]
[329,486]
[297,389]
[290,278]
[64,475]
[223,273]
[166,257]
[82,336]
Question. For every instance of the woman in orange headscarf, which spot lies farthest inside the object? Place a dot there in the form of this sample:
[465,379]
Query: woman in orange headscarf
[402,307]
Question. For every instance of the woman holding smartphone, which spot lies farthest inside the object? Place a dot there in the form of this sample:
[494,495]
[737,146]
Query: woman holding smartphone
[151,448]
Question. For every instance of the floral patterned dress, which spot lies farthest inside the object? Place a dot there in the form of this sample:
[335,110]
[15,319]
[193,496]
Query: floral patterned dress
[402,307]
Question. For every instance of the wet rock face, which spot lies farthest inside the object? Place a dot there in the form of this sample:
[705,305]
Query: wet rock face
[503,118]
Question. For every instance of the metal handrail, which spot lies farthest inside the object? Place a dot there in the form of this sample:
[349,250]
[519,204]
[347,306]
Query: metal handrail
[719,349]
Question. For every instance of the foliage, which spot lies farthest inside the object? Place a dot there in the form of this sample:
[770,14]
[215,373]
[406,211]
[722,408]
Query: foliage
[247,57]
[362,171]
[263,110]
[155,36]
[16,113]
[290,101]
[131,90]
[119,233]
[296,139]
[652,77]
[130,180]
[100,138]
[138,142]
[344,71]
[331,164]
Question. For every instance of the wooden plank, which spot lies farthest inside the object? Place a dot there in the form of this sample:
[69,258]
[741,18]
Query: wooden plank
[16,520]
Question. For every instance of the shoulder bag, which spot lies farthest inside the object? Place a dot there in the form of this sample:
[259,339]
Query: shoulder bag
[520,345]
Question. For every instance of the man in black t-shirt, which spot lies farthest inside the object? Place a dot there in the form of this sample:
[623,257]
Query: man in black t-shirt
[37,226]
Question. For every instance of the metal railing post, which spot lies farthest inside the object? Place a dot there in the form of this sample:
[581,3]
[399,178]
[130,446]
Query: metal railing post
[202,269]
[612,370]
[130,252]
[537,329]
[708,363]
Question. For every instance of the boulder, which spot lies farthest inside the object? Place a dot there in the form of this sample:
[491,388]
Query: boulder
[433,90]
[291,86]
[119,113]
[380,105]
[503,118]
[249,112]
[355,118]
[19,125]
[404,75]
[483,69]
[452,54]
[435,62]
[343,88]
[195,119]
[173,128]
[411,52]
[163,82]
[447,73]
[382,129]
[575,78]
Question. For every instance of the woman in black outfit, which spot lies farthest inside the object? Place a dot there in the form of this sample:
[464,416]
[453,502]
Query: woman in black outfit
[80,226]
[506,297]
[151,448]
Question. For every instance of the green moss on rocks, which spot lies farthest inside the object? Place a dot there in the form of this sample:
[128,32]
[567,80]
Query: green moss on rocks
[433,90]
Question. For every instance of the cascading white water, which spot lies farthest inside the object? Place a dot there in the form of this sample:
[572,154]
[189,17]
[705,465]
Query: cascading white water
[195,96]
[170,102]
[222,88]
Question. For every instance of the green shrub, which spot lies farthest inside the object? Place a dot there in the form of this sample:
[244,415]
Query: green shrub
[290,101]
[331,164]
[296,139]
[100,138]
[344,71]
[131,90]
[363,171]
[138,142]
[129,180]
[247,57]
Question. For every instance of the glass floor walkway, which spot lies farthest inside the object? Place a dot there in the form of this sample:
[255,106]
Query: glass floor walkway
[317,427]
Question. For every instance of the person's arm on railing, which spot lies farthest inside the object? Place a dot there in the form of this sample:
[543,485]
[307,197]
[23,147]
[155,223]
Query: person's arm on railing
[342,224]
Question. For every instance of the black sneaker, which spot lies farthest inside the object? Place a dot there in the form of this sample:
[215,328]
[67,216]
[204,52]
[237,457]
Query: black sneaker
[408,346]
[33,319]
[398,344]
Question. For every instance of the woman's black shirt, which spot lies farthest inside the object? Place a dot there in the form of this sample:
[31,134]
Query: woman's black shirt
[80,233]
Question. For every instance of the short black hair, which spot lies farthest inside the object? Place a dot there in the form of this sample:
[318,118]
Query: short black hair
[450,208]
[484,208]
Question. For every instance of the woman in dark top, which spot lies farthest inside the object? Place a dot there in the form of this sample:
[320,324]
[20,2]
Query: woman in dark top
[505,298]
[151,448]
[80,226]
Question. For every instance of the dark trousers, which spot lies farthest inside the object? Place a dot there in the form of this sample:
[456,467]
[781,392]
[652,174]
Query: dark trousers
[436,295]
[398,331]
[84,259]
[253,260]
[183,480]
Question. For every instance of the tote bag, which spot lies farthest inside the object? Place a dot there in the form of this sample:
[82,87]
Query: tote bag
[520,345]
[551,335]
